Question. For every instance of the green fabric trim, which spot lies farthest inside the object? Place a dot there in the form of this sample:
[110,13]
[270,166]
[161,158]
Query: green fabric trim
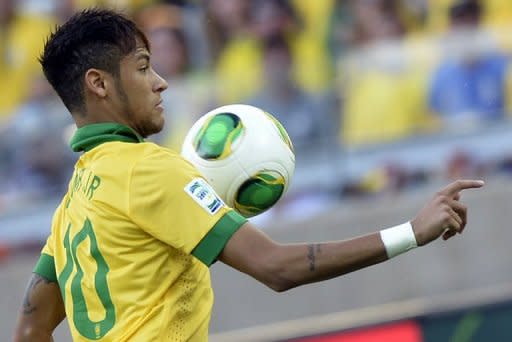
[88,137]
[45,267]
[213,243]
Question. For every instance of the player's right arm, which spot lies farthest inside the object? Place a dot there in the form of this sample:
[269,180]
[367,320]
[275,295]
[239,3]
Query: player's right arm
[284,266]
[42,308]
[41,312]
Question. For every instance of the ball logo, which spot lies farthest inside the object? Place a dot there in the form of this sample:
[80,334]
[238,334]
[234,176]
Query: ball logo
[204,195]
[218,137]
[259,193]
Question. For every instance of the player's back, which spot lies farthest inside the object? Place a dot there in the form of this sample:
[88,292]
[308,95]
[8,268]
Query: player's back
[119,282]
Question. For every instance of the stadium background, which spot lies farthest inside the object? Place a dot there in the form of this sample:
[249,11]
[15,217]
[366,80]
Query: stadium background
[385,100]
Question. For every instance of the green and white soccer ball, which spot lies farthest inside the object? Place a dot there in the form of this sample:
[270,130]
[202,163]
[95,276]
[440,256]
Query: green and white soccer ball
[245,154]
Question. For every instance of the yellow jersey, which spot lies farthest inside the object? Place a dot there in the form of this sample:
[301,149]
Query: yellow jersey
[132,239]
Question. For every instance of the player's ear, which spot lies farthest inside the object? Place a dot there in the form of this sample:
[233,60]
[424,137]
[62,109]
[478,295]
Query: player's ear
[95,82]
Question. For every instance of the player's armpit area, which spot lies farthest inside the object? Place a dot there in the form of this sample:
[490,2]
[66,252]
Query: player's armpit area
[41,311]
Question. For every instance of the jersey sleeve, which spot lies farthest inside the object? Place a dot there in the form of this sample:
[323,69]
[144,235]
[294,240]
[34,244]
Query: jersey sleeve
[171,201]
[45,266]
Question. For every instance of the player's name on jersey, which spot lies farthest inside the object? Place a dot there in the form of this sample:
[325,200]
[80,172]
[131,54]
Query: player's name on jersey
[86,182]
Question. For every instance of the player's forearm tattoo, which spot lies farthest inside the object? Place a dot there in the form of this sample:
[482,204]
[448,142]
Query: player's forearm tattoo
[313,250]
[28,307]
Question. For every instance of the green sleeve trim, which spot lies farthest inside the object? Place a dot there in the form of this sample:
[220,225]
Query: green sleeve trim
[45,267]
[213,243]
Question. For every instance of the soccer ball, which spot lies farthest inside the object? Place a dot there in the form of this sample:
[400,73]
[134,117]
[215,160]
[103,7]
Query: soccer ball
[245,154]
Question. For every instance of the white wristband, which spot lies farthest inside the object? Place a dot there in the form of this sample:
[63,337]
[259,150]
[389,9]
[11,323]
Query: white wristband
[398,239]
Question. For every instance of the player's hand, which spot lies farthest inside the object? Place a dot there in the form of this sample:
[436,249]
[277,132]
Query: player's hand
[444,214]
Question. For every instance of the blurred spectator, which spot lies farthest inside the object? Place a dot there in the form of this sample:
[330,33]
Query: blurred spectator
[64,9]
[273,17]
[348,27]
[376,20]
[169,52]
[470,82]
[437,15]
[224,20]
[186,17]
[307,119]
[235,52]
[22,32]
[496,14]
[238,67]
[159,15]
[39,158]
[188,93]
[340,29]
[313,66]
[382,88]
[413,14]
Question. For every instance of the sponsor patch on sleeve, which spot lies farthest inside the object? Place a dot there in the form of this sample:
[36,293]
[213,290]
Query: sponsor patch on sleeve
[204,195]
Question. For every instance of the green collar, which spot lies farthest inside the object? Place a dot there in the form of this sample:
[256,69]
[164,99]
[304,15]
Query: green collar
[88,137]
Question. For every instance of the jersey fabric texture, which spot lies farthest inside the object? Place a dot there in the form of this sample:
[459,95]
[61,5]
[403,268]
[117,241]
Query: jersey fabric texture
[132,239]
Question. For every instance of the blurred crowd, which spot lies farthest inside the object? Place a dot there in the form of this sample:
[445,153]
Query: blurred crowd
[350,74]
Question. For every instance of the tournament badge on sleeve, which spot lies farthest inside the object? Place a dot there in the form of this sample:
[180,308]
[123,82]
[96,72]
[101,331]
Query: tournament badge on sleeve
[204,195]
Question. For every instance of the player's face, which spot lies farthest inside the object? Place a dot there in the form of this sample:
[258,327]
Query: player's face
[139,90]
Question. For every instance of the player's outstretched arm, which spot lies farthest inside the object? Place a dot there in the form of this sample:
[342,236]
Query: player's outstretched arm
[284,266]
[41,312]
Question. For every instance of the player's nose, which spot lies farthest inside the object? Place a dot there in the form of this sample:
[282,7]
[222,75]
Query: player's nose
[160,84]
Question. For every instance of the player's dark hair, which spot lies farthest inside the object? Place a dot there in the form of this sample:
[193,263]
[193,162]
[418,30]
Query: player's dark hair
[92,38]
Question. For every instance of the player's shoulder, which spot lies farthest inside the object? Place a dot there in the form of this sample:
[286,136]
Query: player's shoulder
[149,151]
[144,151]
[157,158]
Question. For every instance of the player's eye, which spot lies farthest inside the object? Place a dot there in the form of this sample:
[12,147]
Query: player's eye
[144,68]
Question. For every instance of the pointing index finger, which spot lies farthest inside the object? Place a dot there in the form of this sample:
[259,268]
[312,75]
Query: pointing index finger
[461,184]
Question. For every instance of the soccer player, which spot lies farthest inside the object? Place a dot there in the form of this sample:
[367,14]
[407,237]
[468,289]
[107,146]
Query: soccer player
[131,243]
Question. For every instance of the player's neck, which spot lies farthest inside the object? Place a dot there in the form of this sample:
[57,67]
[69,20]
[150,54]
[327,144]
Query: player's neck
[98,115]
